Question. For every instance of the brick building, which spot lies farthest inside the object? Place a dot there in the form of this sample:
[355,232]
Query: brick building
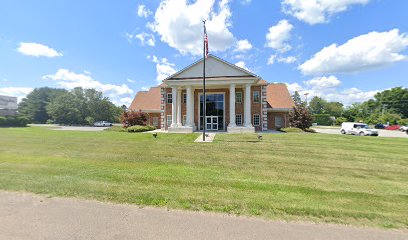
[237,101]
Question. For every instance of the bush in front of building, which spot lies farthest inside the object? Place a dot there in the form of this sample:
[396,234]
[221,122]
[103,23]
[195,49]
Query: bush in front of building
[13,121]
[138,128]
[131,118]
[300,117]
[291,130]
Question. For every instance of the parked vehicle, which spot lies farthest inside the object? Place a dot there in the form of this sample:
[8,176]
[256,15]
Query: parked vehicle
[403,128]
[380,126]
[102,124]
[393,127]
[360,129]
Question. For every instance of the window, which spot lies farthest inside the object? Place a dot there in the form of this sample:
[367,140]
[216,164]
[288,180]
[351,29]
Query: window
[169,120]
[184,97]
[184,120]
[155,121]
[256,97]
[169,98]
[256,120]
[238,97]
[238,119]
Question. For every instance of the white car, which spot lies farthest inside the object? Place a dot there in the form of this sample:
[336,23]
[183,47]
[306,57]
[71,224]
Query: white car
[403,128]
[102,124]
[360,129]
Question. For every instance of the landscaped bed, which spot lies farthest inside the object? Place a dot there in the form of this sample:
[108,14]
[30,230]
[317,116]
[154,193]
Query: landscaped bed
[313,177]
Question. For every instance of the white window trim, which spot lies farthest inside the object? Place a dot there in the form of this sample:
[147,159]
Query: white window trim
[167,99]
[184,120]
[153,123]
[253,119]
[259,97]
[236,119]
[240,93]
[169,121]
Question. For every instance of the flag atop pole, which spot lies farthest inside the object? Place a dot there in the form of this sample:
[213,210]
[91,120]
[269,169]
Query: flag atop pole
[204,97]
[205,42]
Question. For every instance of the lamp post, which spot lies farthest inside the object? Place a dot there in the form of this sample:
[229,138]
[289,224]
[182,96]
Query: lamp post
[306,97]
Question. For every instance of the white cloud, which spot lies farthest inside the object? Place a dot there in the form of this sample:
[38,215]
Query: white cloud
[317,11]
[69,80]
[271,59]
[38,50]
[130,80]
[241,64]
[163,67]
[144,38]
[278,36]
[243,46]
[323,82]
[246,2]
[368,51]
[328,89]
[288,60]
[142,11]
[19,92]
[179,24]
[124,101]
[144,89]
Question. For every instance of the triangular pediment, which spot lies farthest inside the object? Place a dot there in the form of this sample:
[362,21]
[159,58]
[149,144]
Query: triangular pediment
[215,68]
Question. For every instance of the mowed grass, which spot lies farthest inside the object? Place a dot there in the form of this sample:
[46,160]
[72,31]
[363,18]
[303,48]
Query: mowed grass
[306,177]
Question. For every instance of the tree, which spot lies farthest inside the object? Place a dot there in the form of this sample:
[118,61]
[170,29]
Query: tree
[394,100]
[64,109]
[300,117]
[317,105]
[334,109]
[296,98]
[34,105]
[83,106]
[134,118]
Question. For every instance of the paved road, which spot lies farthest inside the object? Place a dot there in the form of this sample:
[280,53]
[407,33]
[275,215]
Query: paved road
[381,132]
[28,216]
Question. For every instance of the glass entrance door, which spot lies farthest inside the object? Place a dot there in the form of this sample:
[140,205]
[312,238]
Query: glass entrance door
[212,123]
[214,119]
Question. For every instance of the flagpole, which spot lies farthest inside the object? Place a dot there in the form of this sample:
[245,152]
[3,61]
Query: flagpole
[204,97]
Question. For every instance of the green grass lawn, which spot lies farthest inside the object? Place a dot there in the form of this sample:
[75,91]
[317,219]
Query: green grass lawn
[312,177]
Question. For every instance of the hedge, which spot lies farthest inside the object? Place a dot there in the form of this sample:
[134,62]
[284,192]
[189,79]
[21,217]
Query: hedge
[291,130]
[322,119]
[139,128]
[13,121]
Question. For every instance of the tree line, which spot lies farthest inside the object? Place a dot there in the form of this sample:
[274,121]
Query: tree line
[78,106]
[389,106]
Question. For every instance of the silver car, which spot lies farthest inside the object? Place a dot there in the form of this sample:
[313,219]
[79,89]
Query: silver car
[102,124]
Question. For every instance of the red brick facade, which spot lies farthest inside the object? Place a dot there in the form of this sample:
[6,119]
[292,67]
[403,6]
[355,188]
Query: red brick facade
[256,107]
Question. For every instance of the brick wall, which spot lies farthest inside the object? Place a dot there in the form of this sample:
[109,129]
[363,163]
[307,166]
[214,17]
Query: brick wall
[271,119]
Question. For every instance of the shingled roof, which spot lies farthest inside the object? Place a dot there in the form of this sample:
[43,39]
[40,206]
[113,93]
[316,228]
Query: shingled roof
[147,100]
[278,97]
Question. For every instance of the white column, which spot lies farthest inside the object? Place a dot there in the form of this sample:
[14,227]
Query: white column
[189,107]
[174,107]
[179,119]
[232,106]
[247,108]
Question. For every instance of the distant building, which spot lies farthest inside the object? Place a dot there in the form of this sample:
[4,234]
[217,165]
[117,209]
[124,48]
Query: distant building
[8,106]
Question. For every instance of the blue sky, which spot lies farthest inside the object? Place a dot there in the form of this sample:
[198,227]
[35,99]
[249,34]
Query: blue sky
[339,50]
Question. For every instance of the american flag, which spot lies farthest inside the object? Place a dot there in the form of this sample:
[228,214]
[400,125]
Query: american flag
[205,41]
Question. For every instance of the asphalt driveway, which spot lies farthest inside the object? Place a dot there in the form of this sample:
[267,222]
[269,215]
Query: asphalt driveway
[29,216]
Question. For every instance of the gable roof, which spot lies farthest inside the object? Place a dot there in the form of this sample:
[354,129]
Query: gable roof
[147,100]
[195,70]
[278,97]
